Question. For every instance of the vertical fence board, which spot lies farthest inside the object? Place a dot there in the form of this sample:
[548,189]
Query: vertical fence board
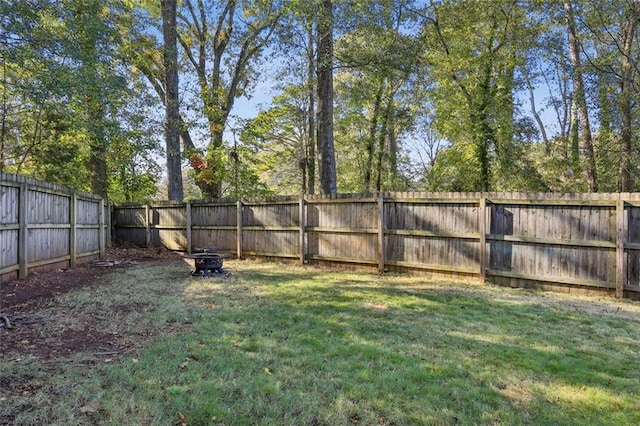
[189,225]
[482,228]
[23,253]
[620,272]
[73,235]
[381,239]
[633,255]
[239,236]
[303,223]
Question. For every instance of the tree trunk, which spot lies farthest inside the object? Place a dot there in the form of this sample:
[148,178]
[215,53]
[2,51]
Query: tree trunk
[311,132]
[586,142]
[326,152]
[97,138]
[172,114]
[626,94]
[534,111]
[481,142]
[93,98]
[382,139]
[503,99]
[483,133]
[371,140]
[393,146]
[98,167]
[211,187]
[3,120]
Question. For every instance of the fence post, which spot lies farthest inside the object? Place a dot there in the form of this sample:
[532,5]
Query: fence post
[239,229]
[620,270]
[303,224]
[109,225]
[23,254]
[101,222]
[482,225]
[73,229]
[189,223]
[381,229]
[147,225]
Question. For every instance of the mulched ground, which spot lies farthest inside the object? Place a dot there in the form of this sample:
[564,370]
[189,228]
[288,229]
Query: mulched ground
[22,303]
[37,322]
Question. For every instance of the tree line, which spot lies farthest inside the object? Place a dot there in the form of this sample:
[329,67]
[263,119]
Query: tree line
[136,99]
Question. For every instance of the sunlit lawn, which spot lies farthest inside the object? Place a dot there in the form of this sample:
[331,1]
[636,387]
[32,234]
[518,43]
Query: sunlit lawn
[279,344]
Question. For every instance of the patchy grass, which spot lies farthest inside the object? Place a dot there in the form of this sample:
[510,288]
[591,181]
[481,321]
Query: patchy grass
[274,344]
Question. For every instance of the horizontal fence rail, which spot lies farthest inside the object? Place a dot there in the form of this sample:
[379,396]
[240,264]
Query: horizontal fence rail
[573,242]
[45,226]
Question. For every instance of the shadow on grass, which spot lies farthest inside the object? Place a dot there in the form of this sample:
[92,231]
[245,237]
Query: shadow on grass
[315,347]
[279,345]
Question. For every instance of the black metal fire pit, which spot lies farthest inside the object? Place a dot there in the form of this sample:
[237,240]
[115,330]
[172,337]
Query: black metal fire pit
[207,261]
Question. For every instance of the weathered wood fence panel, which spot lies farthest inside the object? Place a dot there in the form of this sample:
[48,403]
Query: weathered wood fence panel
[87,225]
[45,226]
[168,225]
[342,230]
[214,224]
[571,243]
[632,226]
[435,235]
[586,243]
[9,230]
[129,224]
[270,228]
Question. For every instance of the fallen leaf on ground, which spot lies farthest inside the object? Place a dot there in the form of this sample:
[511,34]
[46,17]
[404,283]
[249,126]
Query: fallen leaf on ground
[91,407]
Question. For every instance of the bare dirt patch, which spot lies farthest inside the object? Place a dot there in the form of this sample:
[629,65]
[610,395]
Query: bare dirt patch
[29,306]
[35,325]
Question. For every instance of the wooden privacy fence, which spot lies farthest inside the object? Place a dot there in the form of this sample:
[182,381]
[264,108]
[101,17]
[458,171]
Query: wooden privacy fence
[45,226]
[575,242]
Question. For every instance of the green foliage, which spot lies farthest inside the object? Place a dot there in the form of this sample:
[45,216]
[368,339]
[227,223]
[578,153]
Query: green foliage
[134,172]
[62,161]
[473,50]
[375,102]
[278,139]
[236,165]
[66,99]
[238,169]
[455,170]
[74,109]
[244,177]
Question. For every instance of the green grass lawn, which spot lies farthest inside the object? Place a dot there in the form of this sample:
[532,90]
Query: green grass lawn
[278,344]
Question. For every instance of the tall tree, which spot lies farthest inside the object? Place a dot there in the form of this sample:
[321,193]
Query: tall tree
[172,115]
[613,29]
[375,91]
[222,40]
[471,56]
[326,149]
[310,165]
[91,36]
[63,90]
[628,78]
[580,99]
[296,40]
